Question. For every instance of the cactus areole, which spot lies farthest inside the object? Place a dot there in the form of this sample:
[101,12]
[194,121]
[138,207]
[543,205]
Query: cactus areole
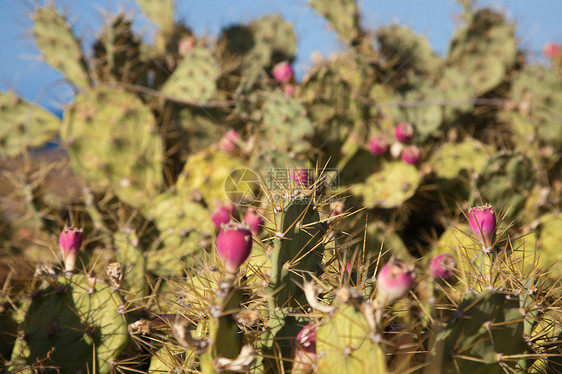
[70,241]
[234,244]
[482,221]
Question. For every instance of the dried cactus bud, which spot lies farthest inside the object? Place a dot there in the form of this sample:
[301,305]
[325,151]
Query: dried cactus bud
[411,154]
[305,351]
[394,281]
[70,241]
[482,221]
[229,141]
[403,132]
[234,245]
[378,145]
[442,266]
[254,220]
[221,216]
[283,72]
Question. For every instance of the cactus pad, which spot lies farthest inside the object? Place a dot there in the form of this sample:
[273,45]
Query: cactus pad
[342,15]
[452,158]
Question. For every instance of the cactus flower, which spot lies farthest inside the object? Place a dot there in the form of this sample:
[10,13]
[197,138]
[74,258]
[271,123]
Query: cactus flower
[403,132]
[378,145]
[234,244]
[411,154]
[70,241]
[552,50]
[394,281]
[305,351]
[254,220]
[442,266]
[229,141]
[482,221]
[283,72]
[222,214]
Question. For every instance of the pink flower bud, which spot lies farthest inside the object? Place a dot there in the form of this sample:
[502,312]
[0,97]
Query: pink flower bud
[229,141]
[70,241]
[254,220]
[552,50]
[234,245]
[346,267]
[221,215]
[442,266]
[411,154]
[185,45]
[482,221]
[289,90]
[394,281]
[283,72]
[403,132]
[378,145]
[301,177]
[305,352]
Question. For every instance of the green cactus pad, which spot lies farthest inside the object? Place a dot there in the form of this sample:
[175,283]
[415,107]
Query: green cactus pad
[342,15]
[506,181]
[538,93]
[160,12]
[131,255]
[459,94]
[117,53]
[549,239]
[24,125]
[344,345]
[285,122]
[260,44]
[208,173]
[87,329]
[389,187]
[405,49]
[184,226]
[195,77]
[484,49]
[449,160]
[112,141]
[58,45]
[486,327]
[457,241]
[297,251]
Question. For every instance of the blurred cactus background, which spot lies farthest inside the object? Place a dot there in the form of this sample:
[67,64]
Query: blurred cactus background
[200,207]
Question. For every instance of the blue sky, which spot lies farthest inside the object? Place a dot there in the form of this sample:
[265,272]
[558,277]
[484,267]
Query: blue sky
[21,69]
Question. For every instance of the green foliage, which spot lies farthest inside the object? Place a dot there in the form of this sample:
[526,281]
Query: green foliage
[342,16]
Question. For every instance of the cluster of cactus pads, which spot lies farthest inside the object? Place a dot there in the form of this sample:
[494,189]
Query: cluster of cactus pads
[227,217]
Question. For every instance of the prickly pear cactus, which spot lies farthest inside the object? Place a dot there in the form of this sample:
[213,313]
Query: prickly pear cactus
[60,48]
[484,331]
[159,12]
[85,323]
[484,49]
[390,186]
[344,345]
[195,78]
[24,125]
[113,141]
[405,49]
[342,15]
[449,160]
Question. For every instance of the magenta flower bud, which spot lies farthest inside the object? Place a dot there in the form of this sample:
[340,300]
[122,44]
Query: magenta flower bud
[70,241]
[289,90]
[283,72]
[229,141]
[378,145]
[301,177]
[403,132]
[234,245]
[442,266]
[394,281]
[305,352]
[254,220]
[482,221]
[411,154]
[185,45]
[221,216]
[552,50]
